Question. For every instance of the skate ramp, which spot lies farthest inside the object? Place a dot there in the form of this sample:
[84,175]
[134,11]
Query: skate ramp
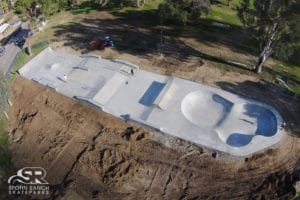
[167,94]
[110,88]
[151,93]
[205,109]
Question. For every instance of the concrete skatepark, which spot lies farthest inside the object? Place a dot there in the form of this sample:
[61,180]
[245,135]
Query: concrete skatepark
[200,114]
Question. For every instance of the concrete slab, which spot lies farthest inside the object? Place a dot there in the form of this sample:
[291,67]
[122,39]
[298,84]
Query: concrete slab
[200,114]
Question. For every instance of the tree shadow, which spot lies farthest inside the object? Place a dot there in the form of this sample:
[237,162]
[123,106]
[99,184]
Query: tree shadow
[86,7]
[235,37]
[286,77]
[132,36]
[288,105]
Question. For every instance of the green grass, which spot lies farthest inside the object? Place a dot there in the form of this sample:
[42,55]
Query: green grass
[23,57]
[2,123]
[152,4]
[291,73]
[5,155]
[85,8]
[225,14]
[62,26]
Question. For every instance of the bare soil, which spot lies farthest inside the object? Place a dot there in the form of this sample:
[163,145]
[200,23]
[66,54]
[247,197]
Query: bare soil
[91,155]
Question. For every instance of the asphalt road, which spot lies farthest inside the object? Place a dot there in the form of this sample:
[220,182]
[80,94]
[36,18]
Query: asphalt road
[11,51]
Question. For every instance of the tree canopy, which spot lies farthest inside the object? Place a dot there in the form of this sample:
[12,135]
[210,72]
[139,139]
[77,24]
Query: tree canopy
[182,11]
[3,5]
[46,7]
[275,24]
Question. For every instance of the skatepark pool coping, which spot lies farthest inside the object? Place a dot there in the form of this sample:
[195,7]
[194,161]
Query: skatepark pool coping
[188,110]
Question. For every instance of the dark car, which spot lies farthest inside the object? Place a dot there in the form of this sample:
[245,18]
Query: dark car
[20,42]
[2,51]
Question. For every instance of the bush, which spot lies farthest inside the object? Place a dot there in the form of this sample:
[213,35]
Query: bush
[182,11]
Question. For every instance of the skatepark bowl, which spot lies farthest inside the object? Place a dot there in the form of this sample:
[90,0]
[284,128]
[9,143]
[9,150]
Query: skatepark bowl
[181,108]
[205,109]
[209,110]
[266,125]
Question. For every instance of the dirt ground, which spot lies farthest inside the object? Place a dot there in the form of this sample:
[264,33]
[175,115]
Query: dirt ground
[91,155]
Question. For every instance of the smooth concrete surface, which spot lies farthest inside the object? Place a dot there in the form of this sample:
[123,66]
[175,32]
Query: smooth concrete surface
[197,113]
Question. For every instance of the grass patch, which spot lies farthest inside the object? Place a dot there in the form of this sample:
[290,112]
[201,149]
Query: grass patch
[152,4]
[5,155]
[22,57]
[86,7]
[226,67]
[62,26]
[291,74]
[2,125]
[225,14]
[42,36]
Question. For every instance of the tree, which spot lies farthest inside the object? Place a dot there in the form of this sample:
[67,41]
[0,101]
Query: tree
[228,2]
[182,10]
[275,24]
[28,10]
[3,5]
[102,3]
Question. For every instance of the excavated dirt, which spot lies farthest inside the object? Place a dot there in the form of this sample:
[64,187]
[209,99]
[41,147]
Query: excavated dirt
[91,155]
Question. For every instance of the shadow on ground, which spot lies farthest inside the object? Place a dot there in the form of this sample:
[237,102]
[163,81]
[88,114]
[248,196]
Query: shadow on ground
[235,37]
[287,104]
[133,37]
[286,77]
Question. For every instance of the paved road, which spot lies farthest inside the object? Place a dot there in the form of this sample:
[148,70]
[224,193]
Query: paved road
[11,51]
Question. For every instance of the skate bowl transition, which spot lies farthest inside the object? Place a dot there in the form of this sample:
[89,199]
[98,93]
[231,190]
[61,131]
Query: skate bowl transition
[209,110]
[199,114]
[205,108]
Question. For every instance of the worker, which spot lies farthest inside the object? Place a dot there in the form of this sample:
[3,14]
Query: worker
[65,77]
[132,72]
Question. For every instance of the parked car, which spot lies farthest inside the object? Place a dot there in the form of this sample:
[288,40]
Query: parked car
[2,51]
[20,42]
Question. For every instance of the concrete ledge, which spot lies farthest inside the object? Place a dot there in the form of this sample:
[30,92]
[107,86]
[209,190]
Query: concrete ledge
[126,63]
[90,56]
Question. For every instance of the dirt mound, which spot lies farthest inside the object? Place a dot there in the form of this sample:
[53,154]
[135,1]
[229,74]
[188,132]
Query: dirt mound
[91,155]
